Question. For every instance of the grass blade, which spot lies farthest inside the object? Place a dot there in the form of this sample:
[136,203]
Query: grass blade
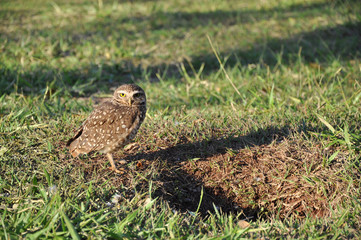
[271,100]
[199,205]
[74,234]
[222,67]
[329,126]
[347,136]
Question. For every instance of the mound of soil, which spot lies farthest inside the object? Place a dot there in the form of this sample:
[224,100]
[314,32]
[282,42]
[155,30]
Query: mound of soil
[281,178]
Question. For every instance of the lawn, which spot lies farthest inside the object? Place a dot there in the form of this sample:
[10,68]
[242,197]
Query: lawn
[252,131]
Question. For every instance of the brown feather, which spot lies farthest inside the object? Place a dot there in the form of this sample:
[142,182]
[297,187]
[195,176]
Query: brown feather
[78,133]
[112,124]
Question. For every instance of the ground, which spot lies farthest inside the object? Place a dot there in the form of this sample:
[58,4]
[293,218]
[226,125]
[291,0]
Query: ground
[252,131]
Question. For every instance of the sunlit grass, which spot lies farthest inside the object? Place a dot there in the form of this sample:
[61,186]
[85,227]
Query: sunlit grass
[290,83]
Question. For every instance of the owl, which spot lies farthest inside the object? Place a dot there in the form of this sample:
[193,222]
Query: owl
[112,124]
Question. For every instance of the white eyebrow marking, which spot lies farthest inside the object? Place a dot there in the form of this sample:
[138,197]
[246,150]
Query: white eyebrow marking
[122,91]
[135,92]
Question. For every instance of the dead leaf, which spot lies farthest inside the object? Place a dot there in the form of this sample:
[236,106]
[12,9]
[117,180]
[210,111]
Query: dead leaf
[139,165]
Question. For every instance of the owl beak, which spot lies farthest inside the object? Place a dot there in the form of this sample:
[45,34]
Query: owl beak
[130,101]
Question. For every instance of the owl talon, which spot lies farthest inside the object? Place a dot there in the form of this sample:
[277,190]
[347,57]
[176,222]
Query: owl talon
[113,168]
[119,171]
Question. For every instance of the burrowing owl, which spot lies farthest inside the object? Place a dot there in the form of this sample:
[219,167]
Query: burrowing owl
[112,124]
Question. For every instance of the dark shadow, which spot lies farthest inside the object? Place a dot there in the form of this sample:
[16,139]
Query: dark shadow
[165,20]
[107,25]
[342,42]
[322,46]
[159,19]
[182,190]
[16,13]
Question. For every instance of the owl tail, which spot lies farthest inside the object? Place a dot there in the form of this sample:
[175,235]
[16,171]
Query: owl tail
[73,142]
[73,148]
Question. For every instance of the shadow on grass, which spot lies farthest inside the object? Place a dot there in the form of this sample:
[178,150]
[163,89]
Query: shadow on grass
[262,174]
[183,189]
[160,20]
[323,46]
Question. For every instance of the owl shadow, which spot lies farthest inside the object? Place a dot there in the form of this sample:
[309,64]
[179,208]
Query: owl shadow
[183,189]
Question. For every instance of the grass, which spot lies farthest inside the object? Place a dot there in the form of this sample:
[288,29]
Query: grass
[267,146]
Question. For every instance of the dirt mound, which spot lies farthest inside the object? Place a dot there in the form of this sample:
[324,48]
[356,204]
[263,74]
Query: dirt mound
[281,178]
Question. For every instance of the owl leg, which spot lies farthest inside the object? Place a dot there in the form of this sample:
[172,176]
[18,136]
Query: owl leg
[110,157]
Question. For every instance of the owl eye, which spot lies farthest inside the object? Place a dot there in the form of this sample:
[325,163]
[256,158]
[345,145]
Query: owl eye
[137,95]
[122,94]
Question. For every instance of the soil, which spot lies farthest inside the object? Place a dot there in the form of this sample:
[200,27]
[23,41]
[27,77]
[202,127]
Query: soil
[279,178]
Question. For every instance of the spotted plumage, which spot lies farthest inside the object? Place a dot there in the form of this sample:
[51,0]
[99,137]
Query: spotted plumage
[112,124]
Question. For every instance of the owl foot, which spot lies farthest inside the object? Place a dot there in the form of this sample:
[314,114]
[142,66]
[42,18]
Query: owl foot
[113,168]
[117,170]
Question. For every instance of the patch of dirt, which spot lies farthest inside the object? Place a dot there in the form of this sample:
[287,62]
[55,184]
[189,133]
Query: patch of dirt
[283,178]
[278,176]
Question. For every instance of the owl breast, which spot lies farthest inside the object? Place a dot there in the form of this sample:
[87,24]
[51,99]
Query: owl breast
[125,129]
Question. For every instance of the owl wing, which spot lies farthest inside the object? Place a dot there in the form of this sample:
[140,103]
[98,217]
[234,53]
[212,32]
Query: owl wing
[96,114]
[101,126]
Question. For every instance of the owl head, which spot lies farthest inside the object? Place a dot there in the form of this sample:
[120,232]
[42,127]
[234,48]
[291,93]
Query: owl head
[130,95]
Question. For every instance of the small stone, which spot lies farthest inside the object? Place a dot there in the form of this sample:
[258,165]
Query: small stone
[243,224]
[122,162]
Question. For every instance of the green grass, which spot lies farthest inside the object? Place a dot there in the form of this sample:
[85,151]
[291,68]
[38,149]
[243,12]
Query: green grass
[285,110]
